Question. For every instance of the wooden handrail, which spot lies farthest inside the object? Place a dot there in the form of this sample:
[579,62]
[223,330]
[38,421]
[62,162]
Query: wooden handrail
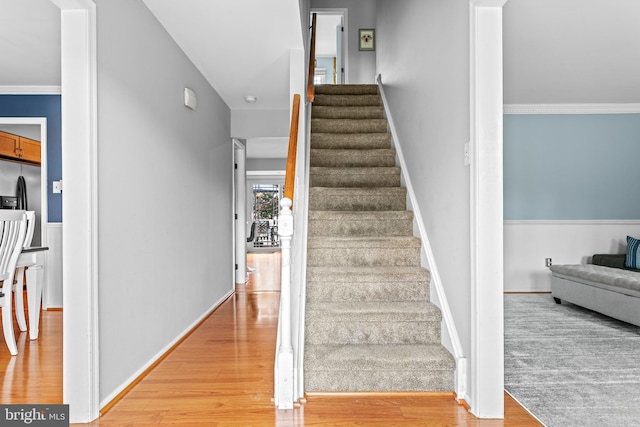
[312,59]
[293,148]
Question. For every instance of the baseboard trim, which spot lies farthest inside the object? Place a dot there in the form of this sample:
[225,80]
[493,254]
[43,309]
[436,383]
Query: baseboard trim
[127,386]
[509,222]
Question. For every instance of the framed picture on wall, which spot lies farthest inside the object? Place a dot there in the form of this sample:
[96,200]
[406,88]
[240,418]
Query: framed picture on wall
[367,40]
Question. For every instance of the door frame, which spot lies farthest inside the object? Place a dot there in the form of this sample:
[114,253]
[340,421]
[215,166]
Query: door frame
[44,201]
[345,35]
[240,203]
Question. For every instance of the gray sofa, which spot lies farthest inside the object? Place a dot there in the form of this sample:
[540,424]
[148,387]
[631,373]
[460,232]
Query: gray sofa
[605,286]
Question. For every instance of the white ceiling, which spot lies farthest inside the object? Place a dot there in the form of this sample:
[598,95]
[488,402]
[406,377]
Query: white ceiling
[241,47]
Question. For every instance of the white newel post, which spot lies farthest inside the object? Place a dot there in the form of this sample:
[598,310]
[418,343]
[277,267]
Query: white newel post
[284,355]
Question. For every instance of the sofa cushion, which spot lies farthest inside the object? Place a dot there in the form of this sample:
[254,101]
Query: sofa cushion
[614,279]
[633,253]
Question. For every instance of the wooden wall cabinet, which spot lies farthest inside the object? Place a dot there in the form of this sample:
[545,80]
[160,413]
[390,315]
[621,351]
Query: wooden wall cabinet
[19,149]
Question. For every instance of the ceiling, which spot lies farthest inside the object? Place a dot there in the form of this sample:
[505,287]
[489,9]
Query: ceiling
[239,53]
[569,51]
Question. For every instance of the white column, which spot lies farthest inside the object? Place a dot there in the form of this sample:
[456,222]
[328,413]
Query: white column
[79,207]
[487,313]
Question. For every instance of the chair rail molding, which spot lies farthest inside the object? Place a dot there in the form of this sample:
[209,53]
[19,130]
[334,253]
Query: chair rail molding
[625,108]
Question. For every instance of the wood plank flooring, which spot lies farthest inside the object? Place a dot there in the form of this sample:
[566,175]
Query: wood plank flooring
[222,375]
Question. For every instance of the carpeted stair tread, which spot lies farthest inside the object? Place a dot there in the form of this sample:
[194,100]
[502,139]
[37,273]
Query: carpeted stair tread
[377,357]
[373,311]
[396,274]
[347,100]
[352,158]
[372,322]
[349,125]
[342,112]
[370,89]
[358,199]
[386,176]
[363,242]
[378,368]
[356,141]
[360,223]
[363,251]
[356,284]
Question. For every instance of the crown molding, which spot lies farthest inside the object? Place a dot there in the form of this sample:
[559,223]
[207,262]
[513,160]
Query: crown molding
[572,109]
[30,90]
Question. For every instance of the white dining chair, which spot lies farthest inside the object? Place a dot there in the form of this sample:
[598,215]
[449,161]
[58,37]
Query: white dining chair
[13,227]
[19,280]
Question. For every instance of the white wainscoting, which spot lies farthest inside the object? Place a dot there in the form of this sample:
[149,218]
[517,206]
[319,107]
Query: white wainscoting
[528,243]
[52,295]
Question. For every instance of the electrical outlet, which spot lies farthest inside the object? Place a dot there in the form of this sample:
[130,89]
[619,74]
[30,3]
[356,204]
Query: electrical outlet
[547,262]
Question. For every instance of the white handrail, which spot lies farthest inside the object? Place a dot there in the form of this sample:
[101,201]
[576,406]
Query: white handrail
[447,317]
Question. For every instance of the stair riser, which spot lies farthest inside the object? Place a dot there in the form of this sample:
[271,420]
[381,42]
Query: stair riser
[330,179]
[346,228]
[367,332]
[348,126]
[351,141]
[357,380]
[326,112]
[344,257]
[357,89]
[347,100]
[325,200]
[352,158]
[367,292]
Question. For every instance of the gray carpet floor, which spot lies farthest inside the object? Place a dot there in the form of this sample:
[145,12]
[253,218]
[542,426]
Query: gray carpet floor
[570,366]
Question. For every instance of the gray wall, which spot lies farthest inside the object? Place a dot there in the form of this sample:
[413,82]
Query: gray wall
[362,14]
[571,51]
[165,192]
[423,57]
[266,164]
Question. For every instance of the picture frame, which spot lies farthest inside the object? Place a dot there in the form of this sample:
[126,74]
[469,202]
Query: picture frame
[367,39]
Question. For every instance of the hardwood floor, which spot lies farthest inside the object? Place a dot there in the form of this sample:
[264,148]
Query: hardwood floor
[222,375]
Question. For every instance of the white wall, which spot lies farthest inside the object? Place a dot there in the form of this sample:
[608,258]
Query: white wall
[165,193]
[361,65]
[528,243]
[423,57]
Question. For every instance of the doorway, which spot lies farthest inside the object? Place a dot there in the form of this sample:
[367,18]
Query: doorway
[263,207]
[35,176]
[331,46]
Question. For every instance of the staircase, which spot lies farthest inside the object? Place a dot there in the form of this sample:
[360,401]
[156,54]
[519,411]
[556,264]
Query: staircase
[369,323]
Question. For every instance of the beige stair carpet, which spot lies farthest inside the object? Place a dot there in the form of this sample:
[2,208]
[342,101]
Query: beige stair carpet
[369,323]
